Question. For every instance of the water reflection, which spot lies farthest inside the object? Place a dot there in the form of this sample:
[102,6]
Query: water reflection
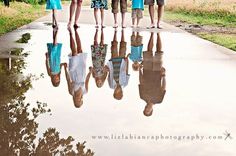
[77,80]
[99,52]
[152,87]
[53,60]
[118,66]
[136,50]
[18,119]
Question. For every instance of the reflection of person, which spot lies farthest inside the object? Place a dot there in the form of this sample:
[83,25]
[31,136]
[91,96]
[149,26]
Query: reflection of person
[118,67]
[99,4]
[54,5]
[152,87]
[53,60]
[137,11]
[160,4]
[75,8]
[76,77]
[99,51]
[136,50]
[115,10]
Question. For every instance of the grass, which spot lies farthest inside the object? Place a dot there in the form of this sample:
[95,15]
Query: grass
[201,18]
[210,13]
[225,40]
[18,15]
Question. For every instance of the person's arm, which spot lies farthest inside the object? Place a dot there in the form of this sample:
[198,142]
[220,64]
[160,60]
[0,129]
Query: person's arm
[69,84]
[127,64]
[163,75]
[47,64]
[87,78]
[140,76]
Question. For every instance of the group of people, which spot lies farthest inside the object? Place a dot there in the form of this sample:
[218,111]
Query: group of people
[137,11]
[148,64]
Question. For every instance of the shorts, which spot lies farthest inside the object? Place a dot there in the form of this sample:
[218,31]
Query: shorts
[137,13]
[152,2]
[123,6]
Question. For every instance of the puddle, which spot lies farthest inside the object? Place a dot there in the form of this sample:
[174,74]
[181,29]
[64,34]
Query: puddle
[156,95]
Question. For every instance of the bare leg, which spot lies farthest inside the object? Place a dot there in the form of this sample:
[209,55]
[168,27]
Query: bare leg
[151,13]
[72,44]
[138,19]
[114,50]
[150,43]
[55,36]
[102,17]
[115,20]
[133,22]
[123,20]
[77,13]
[78,42]
[96,16]
[159,14]
[72,11]
[102,38]
[158,45]
[122,51]
[96,38]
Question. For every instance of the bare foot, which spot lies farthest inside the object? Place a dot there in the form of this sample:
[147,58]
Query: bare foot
[151,26]
[115,25]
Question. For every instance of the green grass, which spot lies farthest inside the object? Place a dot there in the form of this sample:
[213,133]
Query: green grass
[202,18]
[225,40]
[18,15]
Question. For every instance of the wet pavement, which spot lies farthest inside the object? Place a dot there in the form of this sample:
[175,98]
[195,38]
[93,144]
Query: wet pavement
[193,89]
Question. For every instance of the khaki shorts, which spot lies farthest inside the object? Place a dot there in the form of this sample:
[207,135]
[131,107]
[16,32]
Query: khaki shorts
[152,2]
[137,13]
[123,6]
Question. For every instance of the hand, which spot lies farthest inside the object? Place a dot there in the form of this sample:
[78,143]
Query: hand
[90,69]
[106,68]
[65,65]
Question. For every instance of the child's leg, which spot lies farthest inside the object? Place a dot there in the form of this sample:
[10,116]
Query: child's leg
[72,11]
[102,17]
[77,13]
[122,51]
[123,20]
[55,36]
[72,44]
[78,42]
[123,10]
[102,38]
[114,5]
[54,17]
[138,19]
[96,38]
[96,16]
[133,22]
[114,50]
